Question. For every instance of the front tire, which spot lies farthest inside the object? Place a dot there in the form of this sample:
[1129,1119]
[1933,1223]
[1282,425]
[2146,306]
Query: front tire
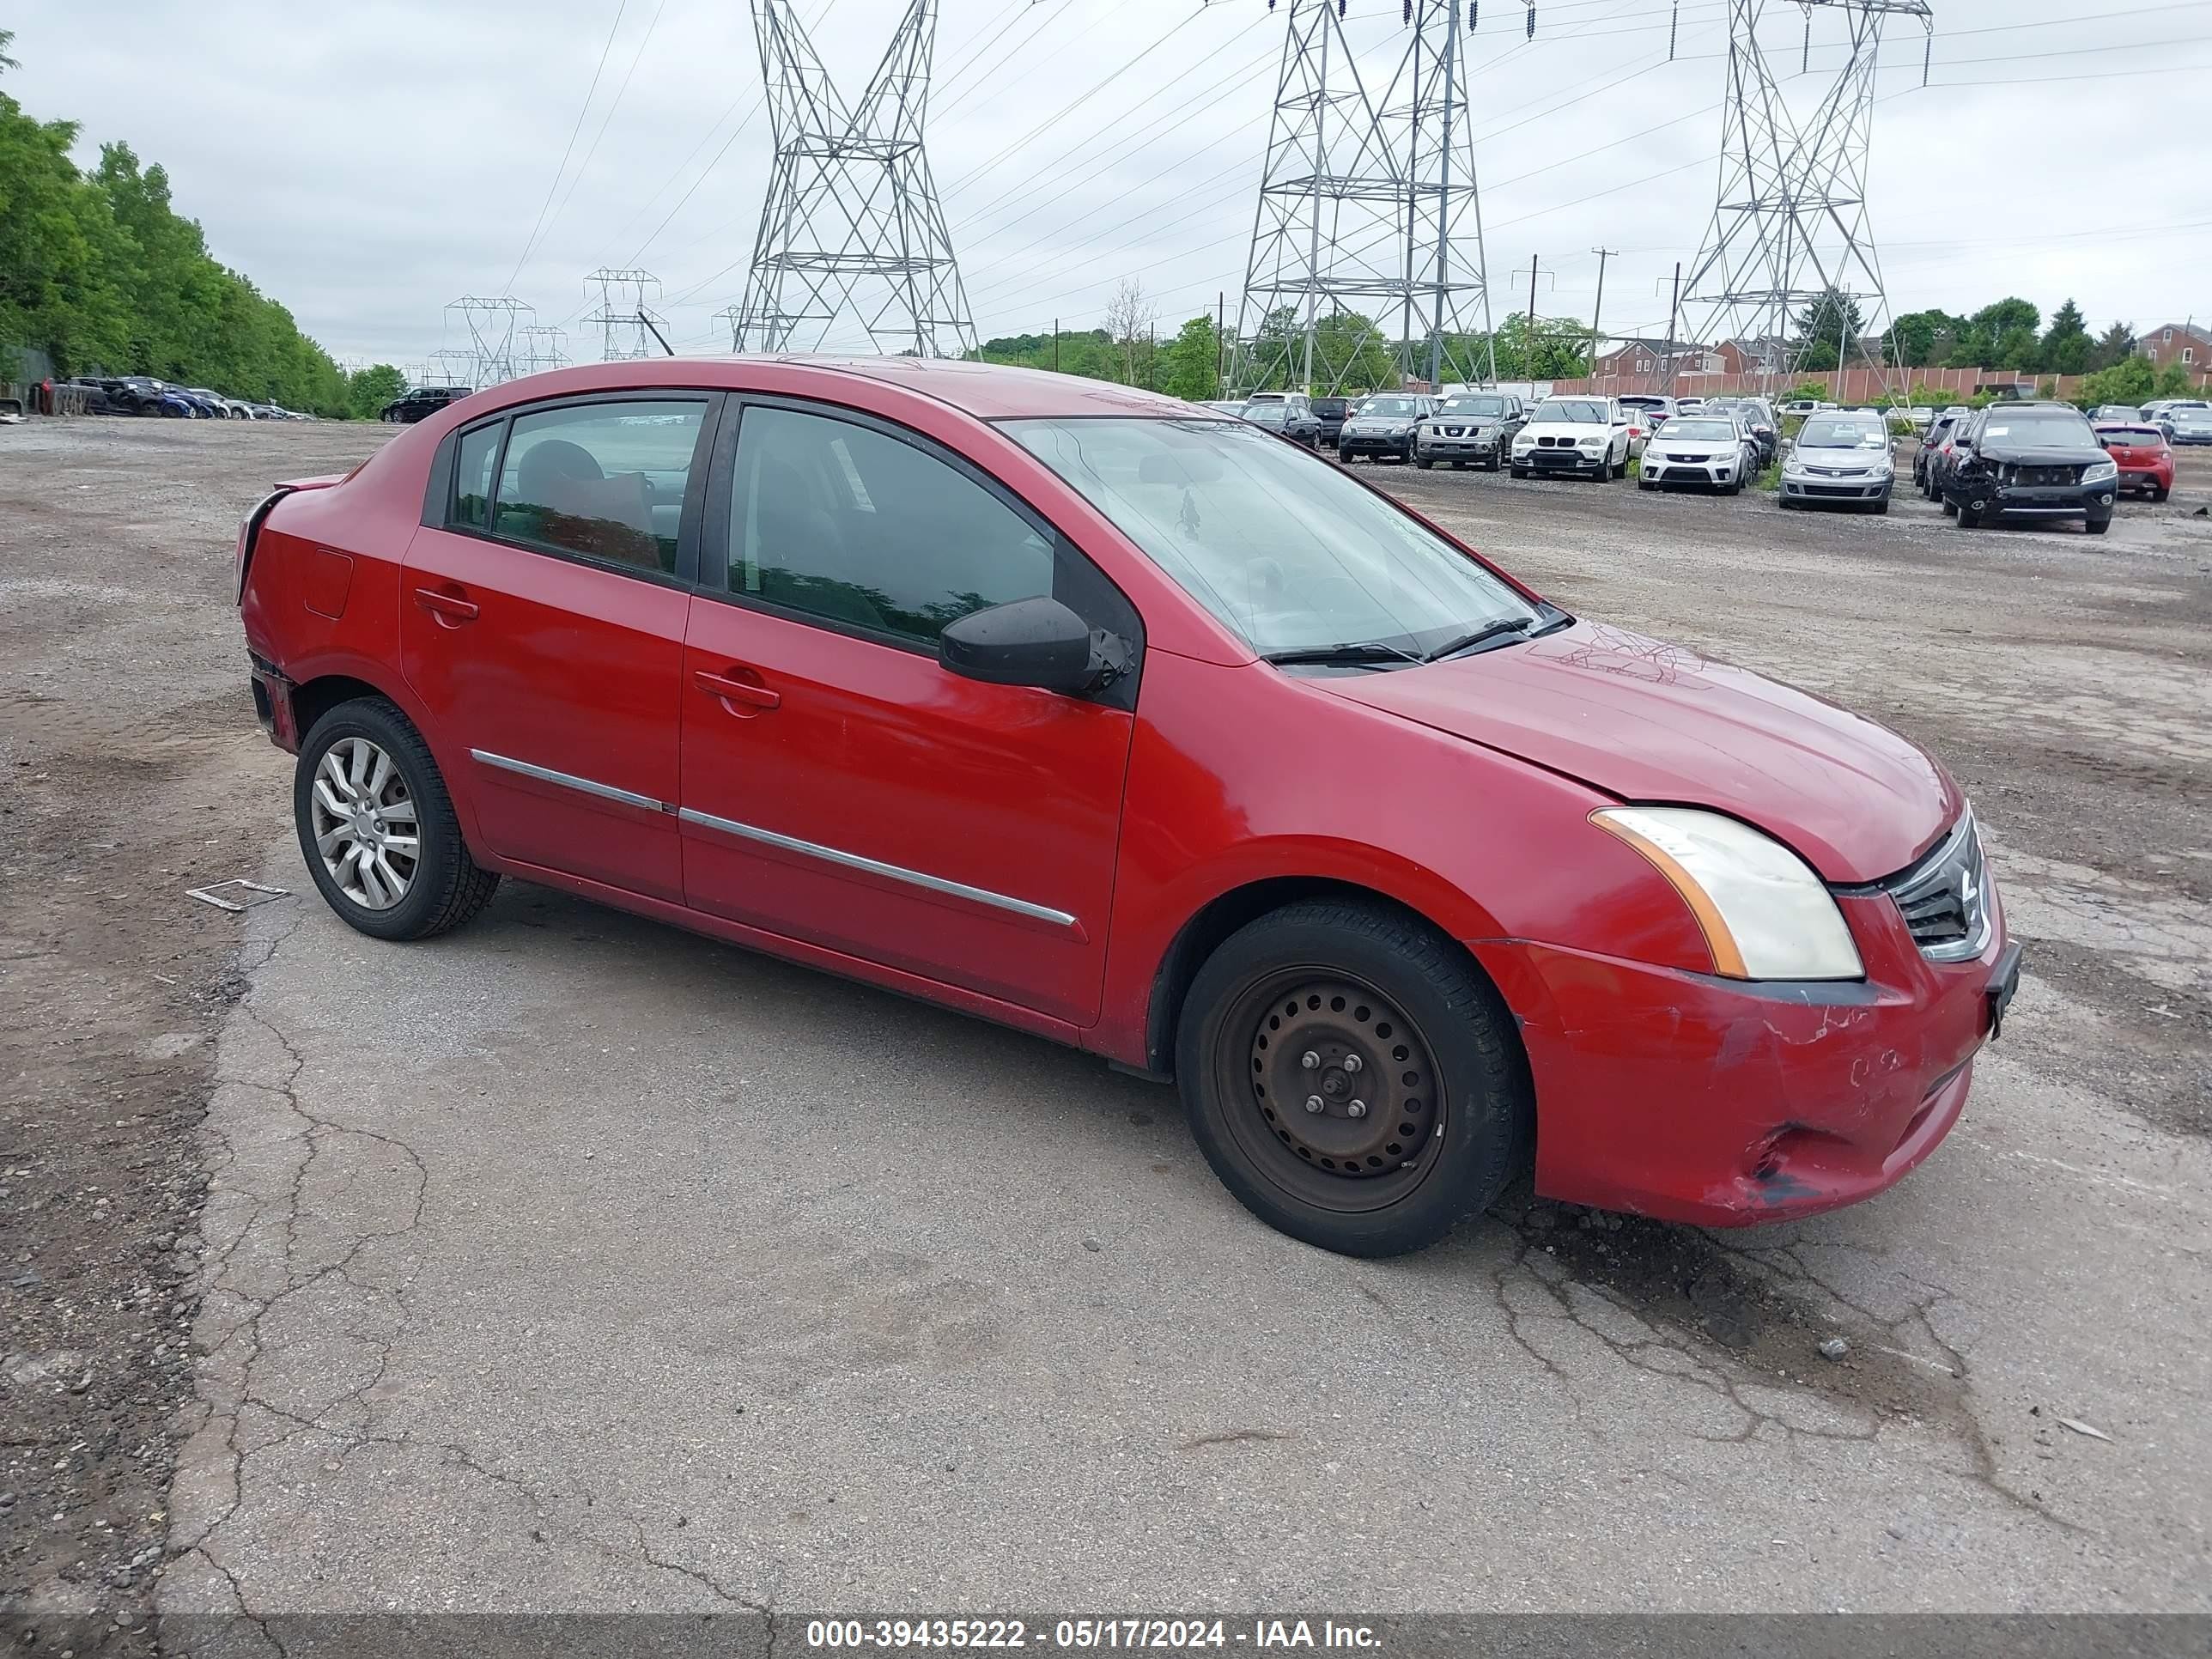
[1406,1040]
[2096,526]
[377,826]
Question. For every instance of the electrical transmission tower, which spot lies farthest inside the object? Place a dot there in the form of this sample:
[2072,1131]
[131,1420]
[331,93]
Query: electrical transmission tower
[622,315]
[492,327]
[851,229]
[543,348]
[1789,228]
[1369,220]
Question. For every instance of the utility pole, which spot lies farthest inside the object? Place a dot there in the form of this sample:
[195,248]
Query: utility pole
[1220,342]
[1674,308]
[1603,254]
[1055,345]
[1529,350]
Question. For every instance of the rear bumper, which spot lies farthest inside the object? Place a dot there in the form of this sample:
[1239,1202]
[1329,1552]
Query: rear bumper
[1700,1100]
[272,705]
[2147,477]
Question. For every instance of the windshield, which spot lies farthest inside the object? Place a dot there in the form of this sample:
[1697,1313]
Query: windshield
[1268,414]
[1401,408]
[1690,429]
[1648,403]
[2191,418]
[1286,550]
[2120,412]
[1490,406]
[1576,412]
[2038,426]
[1841,432]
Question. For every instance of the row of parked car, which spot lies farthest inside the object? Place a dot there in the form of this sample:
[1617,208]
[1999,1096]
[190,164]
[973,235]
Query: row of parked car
[1720,443]
[142,394]
[2019,460]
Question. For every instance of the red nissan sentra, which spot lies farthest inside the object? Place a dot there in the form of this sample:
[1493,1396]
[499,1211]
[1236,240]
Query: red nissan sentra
[1135,726]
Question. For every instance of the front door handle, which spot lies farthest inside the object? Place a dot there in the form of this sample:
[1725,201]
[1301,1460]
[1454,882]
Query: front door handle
[751,693]
[446,607]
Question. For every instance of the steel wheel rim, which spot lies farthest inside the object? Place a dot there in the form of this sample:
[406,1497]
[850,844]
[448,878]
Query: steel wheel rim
[1331,1157]
[365,828]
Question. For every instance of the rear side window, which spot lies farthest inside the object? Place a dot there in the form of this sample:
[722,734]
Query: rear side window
[848,524]
[605,481]
[472,464]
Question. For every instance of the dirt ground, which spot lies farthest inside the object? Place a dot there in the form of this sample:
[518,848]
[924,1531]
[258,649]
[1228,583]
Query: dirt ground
[131,770]
[2067,681]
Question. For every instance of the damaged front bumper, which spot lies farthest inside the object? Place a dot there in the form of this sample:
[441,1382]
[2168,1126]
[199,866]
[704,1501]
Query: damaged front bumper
[1718,1103]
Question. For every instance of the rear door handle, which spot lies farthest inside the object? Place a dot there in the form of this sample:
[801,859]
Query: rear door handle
[445,605]
[749,692]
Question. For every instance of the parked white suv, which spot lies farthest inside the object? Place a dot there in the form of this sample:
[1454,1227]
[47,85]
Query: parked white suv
[1582,435]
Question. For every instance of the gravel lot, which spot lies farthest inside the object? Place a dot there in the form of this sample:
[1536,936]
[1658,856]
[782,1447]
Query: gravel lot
[572,1262]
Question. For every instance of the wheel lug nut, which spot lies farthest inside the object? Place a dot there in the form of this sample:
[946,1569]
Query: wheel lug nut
[1358,1108]
[1351,1062]
[1314,1103]
[1310,1060]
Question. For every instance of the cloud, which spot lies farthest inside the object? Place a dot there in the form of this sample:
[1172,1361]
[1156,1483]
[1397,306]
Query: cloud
[368,165]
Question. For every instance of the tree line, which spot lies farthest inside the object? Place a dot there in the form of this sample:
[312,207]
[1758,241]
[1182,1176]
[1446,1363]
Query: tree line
[1349,352]
[103,274]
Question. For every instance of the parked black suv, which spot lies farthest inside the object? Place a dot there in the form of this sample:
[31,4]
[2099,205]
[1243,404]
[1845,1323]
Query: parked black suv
[422,403]
[2030,460]
[1331,413]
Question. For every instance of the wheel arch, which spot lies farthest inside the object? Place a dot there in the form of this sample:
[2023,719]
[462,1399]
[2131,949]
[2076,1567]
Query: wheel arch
[324,684]
[1203,932]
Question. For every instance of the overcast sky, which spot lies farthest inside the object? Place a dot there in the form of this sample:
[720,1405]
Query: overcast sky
[367,163]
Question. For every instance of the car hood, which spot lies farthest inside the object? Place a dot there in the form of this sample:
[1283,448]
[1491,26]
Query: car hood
[1564,430]
[1647,721]
[2006,449]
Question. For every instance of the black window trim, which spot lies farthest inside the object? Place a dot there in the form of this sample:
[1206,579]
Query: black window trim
[439,500]
[715,531]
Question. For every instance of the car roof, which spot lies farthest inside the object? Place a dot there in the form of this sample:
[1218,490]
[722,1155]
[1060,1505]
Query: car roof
[986,391]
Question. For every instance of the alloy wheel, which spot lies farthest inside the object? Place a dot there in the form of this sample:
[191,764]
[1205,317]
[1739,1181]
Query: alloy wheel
[365,825]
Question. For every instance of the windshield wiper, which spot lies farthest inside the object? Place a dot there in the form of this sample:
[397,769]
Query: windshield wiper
[1496,629]
[1354,652]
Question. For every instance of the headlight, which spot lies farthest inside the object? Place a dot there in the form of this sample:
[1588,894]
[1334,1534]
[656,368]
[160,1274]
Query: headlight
[1764,912]
[2100,471]
[1594,443]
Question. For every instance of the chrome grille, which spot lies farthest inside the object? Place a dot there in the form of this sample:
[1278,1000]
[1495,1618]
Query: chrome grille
[1944,898]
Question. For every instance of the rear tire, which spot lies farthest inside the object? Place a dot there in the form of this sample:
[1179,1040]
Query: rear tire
[1342,982]
[342,792]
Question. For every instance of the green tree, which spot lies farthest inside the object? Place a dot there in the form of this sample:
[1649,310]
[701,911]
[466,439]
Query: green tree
[368,390]
[1916,335]
[2115,345]
[1553,350]
[1826,328]
[2005,316]
[2128,381]
[2175,380]
[1351,353]
[2066,344]
[1188,364]
[7,39]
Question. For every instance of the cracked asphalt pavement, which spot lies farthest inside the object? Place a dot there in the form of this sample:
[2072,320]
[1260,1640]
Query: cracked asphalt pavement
[571,1262]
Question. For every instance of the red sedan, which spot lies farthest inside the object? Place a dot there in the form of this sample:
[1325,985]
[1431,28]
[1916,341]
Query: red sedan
[1135,726]
[2145,461]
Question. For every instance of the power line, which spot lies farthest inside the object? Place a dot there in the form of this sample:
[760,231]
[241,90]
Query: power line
[589,91]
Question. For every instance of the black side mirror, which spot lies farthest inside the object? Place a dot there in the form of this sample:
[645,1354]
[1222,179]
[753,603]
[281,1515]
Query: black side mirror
[1038,642]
